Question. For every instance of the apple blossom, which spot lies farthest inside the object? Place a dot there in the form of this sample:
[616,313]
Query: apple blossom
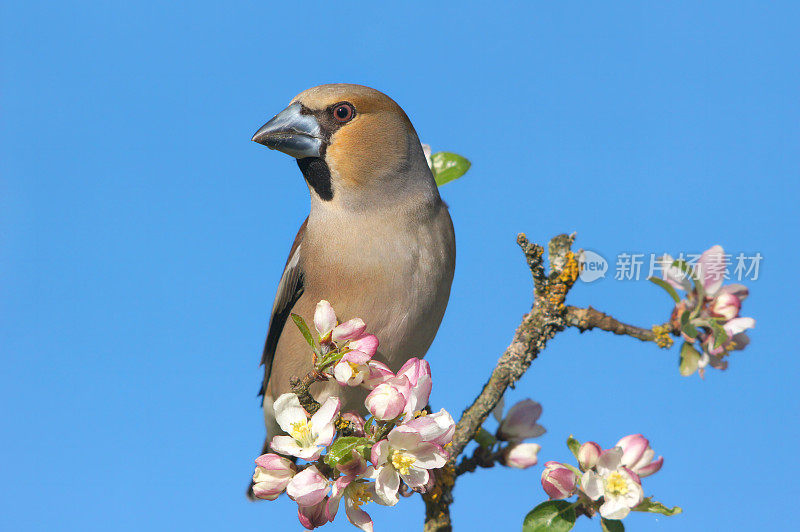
[378,374]
[588,454]
[737,339]
[620,487]
[404,454]
[313,516]
[520,422]
[638,456]
[357,488]
[271,476]
[521,455]
[388,399]
[308,487]
[725,306]
[352,368]
[699,318]
[367,344]
[435,428]
[710,269]
[349,330]
[306,437]
[418,373]
[674,276]
[558,481]
[324,320]
[325,323]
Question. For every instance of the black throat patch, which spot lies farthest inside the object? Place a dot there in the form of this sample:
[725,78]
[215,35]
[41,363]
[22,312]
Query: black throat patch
[318,175]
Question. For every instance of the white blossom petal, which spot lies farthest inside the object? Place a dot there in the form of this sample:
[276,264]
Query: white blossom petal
[592,485]
[288,411]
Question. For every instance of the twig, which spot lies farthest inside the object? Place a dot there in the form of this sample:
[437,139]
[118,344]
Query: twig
[481,457]
[301,388]
[586,319]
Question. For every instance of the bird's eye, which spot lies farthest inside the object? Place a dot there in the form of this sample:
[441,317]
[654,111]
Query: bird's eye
[343,112]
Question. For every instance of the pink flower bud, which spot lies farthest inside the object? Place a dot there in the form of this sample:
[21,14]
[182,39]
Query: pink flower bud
[314,515]
[710,269]
[349,330]
[588,455]
[418,373]
[378,374]
[271,476]
[415,368]
[725,306]
[522,455]
[638,456]
[558,481]
[387,400]
[367,344]
[308,487]
[520,423]
[435,428]
[324,318]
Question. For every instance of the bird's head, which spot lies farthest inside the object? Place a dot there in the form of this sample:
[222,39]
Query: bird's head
[355,146]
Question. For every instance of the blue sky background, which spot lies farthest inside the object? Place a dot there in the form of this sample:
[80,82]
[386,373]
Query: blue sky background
[143,235]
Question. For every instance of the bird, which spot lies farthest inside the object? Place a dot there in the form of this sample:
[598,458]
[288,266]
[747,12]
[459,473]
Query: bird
[378,242]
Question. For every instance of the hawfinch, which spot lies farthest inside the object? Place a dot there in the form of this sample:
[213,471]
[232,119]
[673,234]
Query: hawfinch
[378,242]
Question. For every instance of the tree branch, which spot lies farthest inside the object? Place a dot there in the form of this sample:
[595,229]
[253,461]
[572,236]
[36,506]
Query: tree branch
[546,318]
[586,319]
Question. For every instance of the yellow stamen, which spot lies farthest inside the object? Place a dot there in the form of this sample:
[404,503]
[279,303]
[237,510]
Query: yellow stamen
[402,461]
[302,432]
[616,484]
[359,494]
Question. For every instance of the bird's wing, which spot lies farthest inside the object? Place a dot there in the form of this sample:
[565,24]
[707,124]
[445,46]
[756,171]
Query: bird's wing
[290,288]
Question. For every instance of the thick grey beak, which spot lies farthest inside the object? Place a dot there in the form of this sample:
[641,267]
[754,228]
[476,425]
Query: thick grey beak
[293,133]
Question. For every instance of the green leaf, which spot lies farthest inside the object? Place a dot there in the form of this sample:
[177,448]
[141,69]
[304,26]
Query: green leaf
[666,286]
[649,505]
[720,336]
[485,438]
[301,324]
[683,266]
[690,357]
[342,449]
[330,359]
[611,525]
[368,424]
[550,516]
[574,445]
[448,167]
[687,326]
